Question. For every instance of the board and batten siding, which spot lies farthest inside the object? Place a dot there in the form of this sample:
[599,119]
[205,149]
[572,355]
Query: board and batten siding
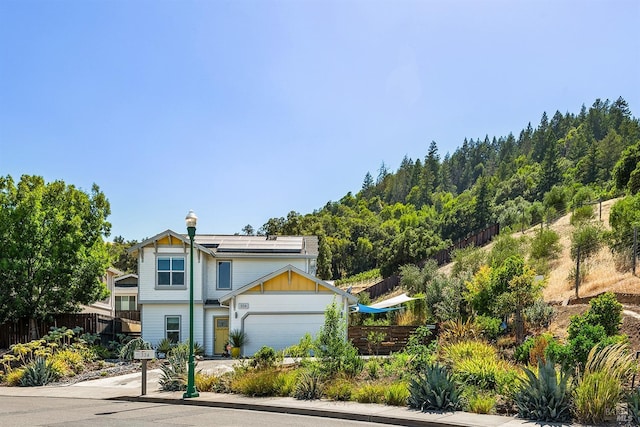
[245,271]
[147,275]
[153,321]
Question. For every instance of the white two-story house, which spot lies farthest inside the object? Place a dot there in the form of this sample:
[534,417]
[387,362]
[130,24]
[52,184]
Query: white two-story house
[263,286]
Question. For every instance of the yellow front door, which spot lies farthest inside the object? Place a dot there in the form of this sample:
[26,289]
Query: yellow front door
[220,334]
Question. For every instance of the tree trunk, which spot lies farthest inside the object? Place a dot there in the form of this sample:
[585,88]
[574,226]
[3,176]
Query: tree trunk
[34,333]
[519,326]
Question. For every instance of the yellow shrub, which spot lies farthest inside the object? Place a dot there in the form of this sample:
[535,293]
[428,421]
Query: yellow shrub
[71,358]
[206,382]
[13,377]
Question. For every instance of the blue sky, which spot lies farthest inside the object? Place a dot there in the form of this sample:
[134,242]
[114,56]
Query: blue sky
[246,110]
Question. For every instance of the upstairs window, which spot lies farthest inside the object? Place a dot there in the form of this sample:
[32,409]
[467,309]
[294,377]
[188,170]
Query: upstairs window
[171,271]
[224,274]
[126,303]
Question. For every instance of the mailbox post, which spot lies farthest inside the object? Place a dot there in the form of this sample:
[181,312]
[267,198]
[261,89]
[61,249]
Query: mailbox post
[143,356]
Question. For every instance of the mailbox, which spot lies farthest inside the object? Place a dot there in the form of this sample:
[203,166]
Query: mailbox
[144,354]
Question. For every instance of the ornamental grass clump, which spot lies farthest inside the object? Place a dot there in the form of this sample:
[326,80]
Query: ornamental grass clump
[545,396]
[600,387]
[434,389]
[255,383]
[397,394]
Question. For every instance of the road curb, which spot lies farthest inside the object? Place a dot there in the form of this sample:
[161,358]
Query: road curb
[315,412]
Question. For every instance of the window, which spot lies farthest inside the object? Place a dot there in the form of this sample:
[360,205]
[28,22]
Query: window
[224,274]
[171,271]
[172,328]
[125,302]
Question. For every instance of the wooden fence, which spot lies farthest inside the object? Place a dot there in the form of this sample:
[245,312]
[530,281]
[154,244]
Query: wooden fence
[17,331]
[128,314]
[443,256]
[395,338]
[480,238]
[382,287]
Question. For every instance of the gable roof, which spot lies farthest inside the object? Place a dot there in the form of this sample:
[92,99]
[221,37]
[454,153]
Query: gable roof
[168,233]
[289,268]
[236,245]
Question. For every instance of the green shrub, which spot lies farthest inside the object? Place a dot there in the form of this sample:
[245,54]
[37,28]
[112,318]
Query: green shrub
[534,348]
[336,354]
[490,327]
[544,396]
[264,358]
[372,367]
[522,351]
[309,386]
[339,389]
[582,214]
[420,349]
[374,339]
[304,348]
[539,314]
[38,373]
[605,310]
[369,393]
[397,394]
[545,245]
[433,389]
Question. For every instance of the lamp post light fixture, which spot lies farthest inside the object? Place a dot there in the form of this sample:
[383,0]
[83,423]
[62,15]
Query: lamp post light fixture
[191,221]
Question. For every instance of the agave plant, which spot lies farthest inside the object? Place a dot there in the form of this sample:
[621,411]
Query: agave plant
[37,373]
[545,396]
[434,389]
[174,372]
[309,386]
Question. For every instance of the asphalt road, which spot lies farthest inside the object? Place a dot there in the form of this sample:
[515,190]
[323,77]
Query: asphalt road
[54,411]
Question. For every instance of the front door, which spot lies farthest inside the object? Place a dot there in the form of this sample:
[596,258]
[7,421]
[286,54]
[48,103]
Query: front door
[220,334]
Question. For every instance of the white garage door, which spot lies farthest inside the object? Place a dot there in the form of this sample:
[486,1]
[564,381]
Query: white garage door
[279,331]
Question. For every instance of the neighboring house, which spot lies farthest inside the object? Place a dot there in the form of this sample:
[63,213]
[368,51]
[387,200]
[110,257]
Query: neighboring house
[105,306]
[262,285]
[126,293]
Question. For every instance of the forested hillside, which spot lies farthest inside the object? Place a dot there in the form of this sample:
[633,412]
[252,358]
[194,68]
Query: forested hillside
[404,217]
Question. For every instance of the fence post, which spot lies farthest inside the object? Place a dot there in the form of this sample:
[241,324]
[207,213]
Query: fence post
[600,217]
[635,248]
[577,272]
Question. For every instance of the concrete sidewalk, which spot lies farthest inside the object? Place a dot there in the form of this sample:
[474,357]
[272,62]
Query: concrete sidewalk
[128,387]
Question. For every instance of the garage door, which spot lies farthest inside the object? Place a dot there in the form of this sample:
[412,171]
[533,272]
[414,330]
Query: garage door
[279,331]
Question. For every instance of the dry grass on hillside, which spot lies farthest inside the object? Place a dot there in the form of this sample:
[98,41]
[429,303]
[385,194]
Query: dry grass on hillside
[602,273]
